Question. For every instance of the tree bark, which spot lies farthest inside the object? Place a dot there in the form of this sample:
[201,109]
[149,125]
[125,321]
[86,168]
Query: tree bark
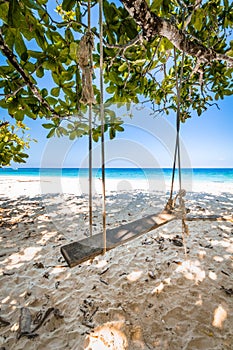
[153,25]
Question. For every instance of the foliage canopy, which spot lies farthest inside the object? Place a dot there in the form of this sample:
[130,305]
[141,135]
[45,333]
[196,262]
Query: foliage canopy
[13,145]
[141,40]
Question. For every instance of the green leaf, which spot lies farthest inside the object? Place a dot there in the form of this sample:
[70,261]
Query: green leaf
[62,131]
[69,35]
[70,93]
[67,5]
[228,92]
[30,67]
[51,133]
[165,45]
[64,55]
[33,5]
[56,78]
[24,56]
[226,4]
[230,52]
[72,135]
[49,65]
[111,89]
[4,7]
[13,12]
[19,115]
[40,72]
[40,38]
[110,112]
[114,77]
[48,126]
[95,135]
[70,126]
[18,159]
[74,51]
[36,54]
[10,37]
[5,70]
[24,155]
[109,10]
[156,5]
[55,91]
[44,92]
[139,62]
[112,133]
[123,67]
[69,84]
[13,106]
[119,128]
[51,100]
[198,19]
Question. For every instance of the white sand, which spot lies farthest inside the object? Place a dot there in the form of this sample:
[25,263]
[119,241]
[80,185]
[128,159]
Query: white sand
[143,295]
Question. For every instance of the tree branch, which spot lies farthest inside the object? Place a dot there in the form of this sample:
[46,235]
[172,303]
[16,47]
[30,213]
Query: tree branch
[153,25]
[12,95]
[27,79]
[124,46]
[109,46]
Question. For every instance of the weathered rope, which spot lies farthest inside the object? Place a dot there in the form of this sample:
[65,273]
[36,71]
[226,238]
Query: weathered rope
[102,124]
[171,204]
[90,169]
[90,47]
[85,60]
[86,47]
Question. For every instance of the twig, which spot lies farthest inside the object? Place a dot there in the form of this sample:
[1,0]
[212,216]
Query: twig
[228,291]
[103,281]
[225,273]
[46,315]
[152,59]
[109,46]
[102,272]
[22,86]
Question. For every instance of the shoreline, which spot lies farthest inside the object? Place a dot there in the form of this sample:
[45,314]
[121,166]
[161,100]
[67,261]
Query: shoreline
[15,186]
[143,295]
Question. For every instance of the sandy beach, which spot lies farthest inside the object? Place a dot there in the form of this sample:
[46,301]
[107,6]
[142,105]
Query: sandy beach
[146,294]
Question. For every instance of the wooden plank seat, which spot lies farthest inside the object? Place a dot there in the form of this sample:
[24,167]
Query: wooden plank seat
[77,252]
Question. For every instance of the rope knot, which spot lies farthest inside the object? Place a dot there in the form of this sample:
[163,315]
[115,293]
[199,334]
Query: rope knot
[171,203]
[86,47]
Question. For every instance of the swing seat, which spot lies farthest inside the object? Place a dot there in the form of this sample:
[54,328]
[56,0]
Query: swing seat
[77,252]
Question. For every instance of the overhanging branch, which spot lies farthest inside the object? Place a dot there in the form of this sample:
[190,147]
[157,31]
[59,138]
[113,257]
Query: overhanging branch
[27,79]
[153,25]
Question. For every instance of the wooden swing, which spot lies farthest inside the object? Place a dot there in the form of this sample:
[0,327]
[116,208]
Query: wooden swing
[77,252]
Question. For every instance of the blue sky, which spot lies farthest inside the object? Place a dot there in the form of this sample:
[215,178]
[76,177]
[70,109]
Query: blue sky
[146,142]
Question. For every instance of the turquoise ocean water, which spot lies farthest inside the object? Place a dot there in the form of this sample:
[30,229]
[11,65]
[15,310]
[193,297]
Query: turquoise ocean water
[197,174]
